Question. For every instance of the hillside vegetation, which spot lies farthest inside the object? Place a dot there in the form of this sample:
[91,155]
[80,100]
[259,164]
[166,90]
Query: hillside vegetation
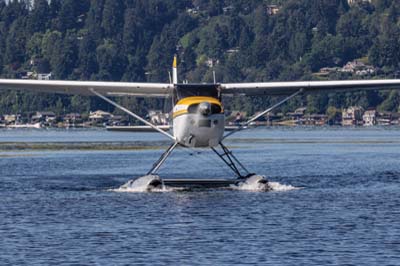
[134,40]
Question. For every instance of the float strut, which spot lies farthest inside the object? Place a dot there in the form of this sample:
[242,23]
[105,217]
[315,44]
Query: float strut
[230,160]
[162,159]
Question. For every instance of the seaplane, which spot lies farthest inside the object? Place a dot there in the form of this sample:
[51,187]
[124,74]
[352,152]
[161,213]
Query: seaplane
[198,119]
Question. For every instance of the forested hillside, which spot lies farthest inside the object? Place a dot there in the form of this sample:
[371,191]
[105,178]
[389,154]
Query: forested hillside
[241,40]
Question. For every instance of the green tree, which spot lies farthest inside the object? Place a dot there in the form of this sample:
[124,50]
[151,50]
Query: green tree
[391,103]
[94,19]
[386,50]
[39,17]
[69,56]
[87,57]
[111,61]
[15,44]
[334,114]
[52,47]
[34,46]
[67,18]
[113,17]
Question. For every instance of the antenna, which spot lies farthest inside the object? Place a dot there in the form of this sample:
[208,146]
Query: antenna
[215,80]
[170,78]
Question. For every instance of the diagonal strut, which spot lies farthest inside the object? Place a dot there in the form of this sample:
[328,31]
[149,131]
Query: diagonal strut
[230,160]
[244,126]
[132,114]
[162,159]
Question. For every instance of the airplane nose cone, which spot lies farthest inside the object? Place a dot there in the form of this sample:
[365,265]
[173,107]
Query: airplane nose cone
[205,108]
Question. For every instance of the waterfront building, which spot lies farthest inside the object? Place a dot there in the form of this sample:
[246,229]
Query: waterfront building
[72,119]
[369,118]
[48,117]
[12,119]
[384,119]
[157,117]
[352,116]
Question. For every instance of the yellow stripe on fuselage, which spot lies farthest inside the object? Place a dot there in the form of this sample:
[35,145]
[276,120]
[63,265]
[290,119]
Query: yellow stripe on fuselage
[198,99]
[182,106]
[178,113]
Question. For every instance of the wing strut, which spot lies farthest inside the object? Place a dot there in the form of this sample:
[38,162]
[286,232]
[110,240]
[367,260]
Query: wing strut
[245,125]
[132,114]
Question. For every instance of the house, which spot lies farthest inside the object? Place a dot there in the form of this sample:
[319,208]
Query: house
[358,68]
[47,117]
[158,118]
[193,11]
[236,117]
[44,76]
[297,114]
[72,119]
[395,119]
[11,119]
[227,9]
[210,62]
[352,116]
[325,71]
[34,75]
[119,120]
[232,51]
[99,116]
[239,117]
[369,118]
[384,119]
[272,9]
[313,119]
[353,2]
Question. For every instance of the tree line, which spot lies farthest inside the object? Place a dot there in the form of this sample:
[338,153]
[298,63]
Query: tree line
[134,40]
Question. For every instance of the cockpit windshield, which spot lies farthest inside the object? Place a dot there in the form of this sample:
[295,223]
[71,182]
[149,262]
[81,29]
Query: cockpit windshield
[185,90]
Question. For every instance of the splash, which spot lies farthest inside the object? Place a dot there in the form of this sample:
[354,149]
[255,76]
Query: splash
[276,186]
[148,183]
[253,183]
[261,184]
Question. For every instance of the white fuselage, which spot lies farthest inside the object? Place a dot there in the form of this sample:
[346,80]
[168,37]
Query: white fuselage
[196,130]
[198,121]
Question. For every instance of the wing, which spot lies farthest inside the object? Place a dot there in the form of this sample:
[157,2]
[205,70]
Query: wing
[287,88]
[84,87]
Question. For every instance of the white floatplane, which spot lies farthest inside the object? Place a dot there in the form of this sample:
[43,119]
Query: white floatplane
[198,114]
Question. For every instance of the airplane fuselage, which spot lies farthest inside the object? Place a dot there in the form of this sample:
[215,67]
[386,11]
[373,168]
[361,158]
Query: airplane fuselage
[198,121]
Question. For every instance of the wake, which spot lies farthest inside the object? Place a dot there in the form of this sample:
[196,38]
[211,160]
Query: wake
[153,183]
[276,186]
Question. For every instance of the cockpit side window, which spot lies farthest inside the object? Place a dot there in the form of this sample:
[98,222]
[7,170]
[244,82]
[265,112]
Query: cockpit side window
[193,108]
[215,108]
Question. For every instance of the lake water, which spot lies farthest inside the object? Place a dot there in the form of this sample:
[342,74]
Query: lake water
[59,207]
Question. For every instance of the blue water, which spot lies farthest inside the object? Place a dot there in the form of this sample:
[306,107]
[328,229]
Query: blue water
[56,207]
